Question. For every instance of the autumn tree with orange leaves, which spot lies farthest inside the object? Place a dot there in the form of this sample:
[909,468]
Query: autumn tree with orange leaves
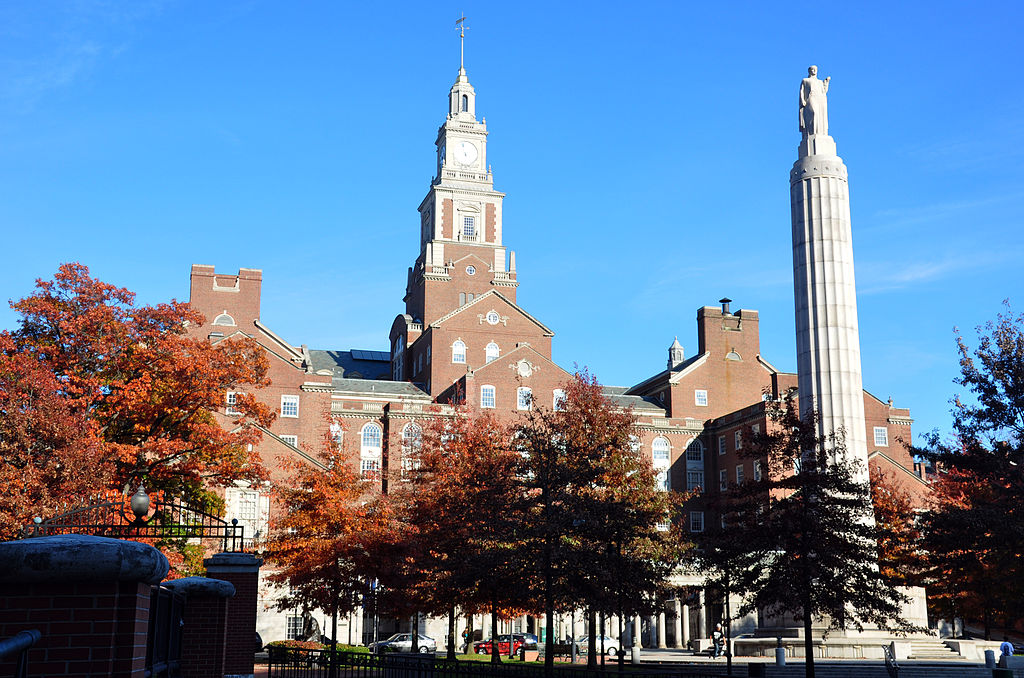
[326,542]
[897,534]
[97,392]
[595,510]
[468,503]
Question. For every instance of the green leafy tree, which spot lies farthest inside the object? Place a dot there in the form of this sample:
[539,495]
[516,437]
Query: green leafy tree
[801,543]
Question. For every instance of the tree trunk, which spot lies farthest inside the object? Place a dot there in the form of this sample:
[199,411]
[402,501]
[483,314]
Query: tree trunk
[495,650]
[592,648]
[549,612]
[808,642]
[450,654]
[414,646]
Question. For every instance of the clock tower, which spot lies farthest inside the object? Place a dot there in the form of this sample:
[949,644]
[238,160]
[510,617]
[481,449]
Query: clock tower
[463,268]
[461,253]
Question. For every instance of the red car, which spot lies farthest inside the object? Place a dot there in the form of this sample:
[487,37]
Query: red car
[484,646]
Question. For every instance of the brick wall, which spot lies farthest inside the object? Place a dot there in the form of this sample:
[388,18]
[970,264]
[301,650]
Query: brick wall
[204,637]
[242,570]
[88,628]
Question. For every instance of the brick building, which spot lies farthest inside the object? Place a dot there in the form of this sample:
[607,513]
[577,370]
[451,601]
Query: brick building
[463,335]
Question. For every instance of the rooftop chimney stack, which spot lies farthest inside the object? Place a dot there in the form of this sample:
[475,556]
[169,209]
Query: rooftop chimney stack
[725,301]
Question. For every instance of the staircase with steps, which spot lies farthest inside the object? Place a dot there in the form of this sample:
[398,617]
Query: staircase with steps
[931,648]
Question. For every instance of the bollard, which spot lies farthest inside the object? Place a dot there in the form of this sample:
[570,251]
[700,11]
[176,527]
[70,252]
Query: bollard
[990,659]
[634,654]
[780,656]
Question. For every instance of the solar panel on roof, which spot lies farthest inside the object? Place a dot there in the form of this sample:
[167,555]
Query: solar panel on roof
[359,354]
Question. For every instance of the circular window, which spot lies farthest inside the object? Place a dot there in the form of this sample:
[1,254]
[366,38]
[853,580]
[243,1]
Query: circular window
[471,270]
[493,318]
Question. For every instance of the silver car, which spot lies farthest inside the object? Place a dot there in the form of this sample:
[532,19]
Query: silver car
[611,646]
[402,642]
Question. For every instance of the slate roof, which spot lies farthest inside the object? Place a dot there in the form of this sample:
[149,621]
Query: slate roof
[379,387]
[353,364]
[639,403]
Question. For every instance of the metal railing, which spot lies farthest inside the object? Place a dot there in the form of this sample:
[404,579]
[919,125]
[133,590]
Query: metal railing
[300,663]
[890,662]
[18,645]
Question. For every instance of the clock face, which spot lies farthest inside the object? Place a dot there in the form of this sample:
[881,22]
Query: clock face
[466,152]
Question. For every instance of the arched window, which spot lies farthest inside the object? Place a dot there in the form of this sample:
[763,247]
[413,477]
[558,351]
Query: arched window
[661,448]
[662,480]
[695,451]
[369,451]
[465,102]
[412,441]
[458,351]
[634,443]
[487,399]
[492,351]
[224,319]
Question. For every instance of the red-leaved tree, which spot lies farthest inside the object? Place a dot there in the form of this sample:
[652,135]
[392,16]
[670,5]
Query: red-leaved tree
[97,392]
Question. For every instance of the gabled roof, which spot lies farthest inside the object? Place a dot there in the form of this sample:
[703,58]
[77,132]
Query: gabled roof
[671,376]
[517,354]
[295,353]
[897,466]
[490,294]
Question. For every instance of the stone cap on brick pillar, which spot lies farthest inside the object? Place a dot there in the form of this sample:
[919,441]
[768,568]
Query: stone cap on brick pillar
[80,557]
[202,587]
[232,562]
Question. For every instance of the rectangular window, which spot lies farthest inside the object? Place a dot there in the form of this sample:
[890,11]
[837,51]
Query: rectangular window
[663,480]
[755,429]
[881,436]
[739,474]
[694,480]
[294,628]
[487,397]
[469,228]
[231,399]
[757,470]
[700,397]
[291,440]
[739,440]
[289,406]
[721,445]
[696,521]
[524,398]
[695,452]
[558,400]
[369,468]
[664,526]
[723,480]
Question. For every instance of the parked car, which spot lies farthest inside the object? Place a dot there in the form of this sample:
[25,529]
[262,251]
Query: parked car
[529,640]
[402,642]
[611,646]
[518,640]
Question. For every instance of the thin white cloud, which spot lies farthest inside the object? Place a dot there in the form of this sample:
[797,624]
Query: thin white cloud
[884,276]
[920,214]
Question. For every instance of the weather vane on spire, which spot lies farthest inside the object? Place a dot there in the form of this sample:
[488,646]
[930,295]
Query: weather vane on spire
[461,27]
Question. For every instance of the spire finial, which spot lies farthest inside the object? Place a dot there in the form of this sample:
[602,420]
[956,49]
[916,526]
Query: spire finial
[461,27]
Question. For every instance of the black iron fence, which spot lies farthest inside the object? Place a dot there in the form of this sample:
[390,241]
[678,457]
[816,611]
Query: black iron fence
[156,517]
[16,647]
[163,644]
[299,663]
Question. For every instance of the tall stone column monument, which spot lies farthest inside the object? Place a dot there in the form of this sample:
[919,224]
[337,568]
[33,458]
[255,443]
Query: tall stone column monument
[827,336]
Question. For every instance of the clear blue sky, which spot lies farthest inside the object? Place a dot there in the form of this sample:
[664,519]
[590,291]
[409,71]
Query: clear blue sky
[644,148]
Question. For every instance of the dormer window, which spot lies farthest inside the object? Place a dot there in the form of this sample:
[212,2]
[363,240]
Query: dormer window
[224,319]
[465,103]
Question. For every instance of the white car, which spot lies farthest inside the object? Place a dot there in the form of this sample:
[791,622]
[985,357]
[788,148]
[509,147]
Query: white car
[402,642]
[611,646]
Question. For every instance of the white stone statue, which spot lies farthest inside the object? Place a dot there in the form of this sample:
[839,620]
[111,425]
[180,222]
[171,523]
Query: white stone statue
[814,103]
